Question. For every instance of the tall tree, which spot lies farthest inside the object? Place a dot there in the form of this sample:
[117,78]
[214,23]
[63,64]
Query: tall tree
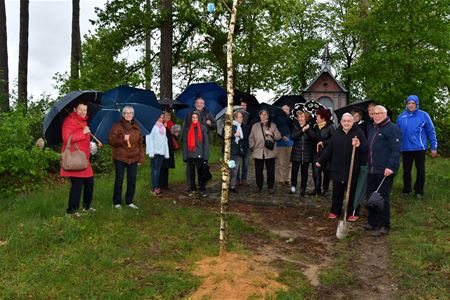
[75,57]
[166,50]
[148,52]
[23,54]
[4,81]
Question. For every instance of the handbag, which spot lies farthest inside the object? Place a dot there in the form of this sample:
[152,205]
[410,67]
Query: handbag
[73,161]
[175,144]
[376,201]
[267,143]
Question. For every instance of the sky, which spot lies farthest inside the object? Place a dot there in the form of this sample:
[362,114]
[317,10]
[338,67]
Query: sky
[49,40]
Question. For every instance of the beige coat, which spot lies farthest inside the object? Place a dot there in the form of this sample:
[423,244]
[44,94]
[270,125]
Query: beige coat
[256,141]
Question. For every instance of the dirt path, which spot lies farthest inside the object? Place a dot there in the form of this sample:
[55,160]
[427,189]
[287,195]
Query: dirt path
[304,237]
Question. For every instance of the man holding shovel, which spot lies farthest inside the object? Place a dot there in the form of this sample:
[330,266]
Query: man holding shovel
[384,160]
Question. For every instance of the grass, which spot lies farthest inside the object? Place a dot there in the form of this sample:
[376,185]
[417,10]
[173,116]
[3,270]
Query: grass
[419,241]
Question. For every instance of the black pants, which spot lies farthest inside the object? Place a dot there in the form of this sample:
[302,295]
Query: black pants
[339,194]
[164,178]
[408,158]
[192,165]
[303,173]
[259,172]
[75,193]
[131,182]
[321,179]
[380,218]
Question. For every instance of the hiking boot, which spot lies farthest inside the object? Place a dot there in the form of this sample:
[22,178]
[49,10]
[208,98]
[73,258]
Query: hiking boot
[133,206]
[380,232]
[352,218]
[332,216]
[369,227]
[293,189]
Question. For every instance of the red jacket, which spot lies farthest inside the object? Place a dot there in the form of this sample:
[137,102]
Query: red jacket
[73,125]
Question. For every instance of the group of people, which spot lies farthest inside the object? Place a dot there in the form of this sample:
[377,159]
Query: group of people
[373,148]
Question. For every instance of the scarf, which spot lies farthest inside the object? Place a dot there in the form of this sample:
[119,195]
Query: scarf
[238,129]
[162,129]
[191,136]
[322,124]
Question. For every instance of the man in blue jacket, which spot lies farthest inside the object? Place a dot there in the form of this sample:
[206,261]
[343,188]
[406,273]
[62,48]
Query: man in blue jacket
[384,160]
[417,128]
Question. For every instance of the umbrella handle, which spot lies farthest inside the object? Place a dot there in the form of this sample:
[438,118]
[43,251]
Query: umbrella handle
[100,144]
[128,143]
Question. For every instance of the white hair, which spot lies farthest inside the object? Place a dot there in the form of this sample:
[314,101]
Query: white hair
[125,108]
[348,115]
[381,107]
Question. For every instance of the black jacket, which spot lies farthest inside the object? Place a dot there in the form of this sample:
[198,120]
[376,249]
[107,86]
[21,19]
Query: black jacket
[324,135]
[304,143]
[241,148]
[339,152]
[385,140]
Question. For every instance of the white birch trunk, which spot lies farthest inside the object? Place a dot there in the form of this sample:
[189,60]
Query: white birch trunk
[227,133]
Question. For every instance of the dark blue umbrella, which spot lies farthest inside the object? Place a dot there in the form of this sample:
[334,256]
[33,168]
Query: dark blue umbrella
[55,117]
[290,100]
[215,97]
[146,110]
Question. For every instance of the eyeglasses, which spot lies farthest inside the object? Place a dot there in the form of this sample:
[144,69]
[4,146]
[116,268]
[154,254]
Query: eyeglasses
[128,113]
[378,113]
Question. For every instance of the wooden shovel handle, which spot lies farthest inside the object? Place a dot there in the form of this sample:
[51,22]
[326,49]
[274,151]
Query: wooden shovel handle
[349,183]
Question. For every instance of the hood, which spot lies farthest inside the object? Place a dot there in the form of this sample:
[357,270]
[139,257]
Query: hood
[414,98]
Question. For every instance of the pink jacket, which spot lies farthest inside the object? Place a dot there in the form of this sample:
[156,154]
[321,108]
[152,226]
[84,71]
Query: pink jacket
[73,125]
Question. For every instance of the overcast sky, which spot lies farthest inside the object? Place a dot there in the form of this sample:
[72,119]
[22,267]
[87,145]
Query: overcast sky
[49,40]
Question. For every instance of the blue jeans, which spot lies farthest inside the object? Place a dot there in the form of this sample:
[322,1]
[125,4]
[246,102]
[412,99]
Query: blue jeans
[131,182]
[242,172]
[155,171]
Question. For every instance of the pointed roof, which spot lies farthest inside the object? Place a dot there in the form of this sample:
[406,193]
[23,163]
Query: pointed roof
[326,68]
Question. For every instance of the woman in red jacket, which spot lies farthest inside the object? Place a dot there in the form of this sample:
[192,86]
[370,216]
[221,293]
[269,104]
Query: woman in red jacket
[75,125]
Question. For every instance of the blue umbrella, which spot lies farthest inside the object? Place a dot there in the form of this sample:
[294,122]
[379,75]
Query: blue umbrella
[146,110]
[215,97]
[55,117]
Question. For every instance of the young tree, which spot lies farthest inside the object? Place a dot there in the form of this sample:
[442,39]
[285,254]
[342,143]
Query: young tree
[23,54]
[75,57]
[4,81]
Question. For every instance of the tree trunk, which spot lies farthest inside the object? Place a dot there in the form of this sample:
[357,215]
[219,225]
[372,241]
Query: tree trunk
[147,66]
[4,81]
[227,136]
[75,58]
[23,54]
[166,50]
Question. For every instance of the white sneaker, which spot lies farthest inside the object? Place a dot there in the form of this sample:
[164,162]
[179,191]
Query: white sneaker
[77,214]
[118,206]
[132,206]
[89,209]
[292,189]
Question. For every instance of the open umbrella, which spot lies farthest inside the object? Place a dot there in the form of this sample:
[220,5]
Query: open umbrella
[361,187]
[356,105]
[169,104]
[215,97]
[55,117]
[278,116]
[249,98]
[220,118]
[146,110]
[309,106]
[290,100]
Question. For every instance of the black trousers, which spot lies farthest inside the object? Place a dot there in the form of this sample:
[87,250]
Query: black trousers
[75,193]
[303,166]
[321,179]
[164,178]
[131,182]
[418,157]
[339,193]
[380,218]
[259,172]
[194,164]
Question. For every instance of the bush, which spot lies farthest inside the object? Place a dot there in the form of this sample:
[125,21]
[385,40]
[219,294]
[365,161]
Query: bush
[22,165]
[102,162]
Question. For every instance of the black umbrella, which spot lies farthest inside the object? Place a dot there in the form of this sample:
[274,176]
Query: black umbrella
[55,117]
[249,98]
[278,116]
[356,105]
[290,100]
[310,106]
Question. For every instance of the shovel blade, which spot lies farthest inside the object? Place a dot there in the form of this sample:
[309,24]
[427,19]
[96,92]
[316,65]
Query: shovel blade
[342,230]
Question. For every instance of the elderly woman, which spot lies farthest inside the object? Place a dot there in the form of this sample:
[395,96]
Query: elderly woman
[126,141]
[262,131]
[196,154]
[302,151]
[158,150]
[75,127]
[324,131]
[239,146]
[339,153]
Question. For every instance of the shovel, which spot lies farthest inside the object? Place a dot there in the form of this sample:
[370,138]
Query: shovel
[342,229]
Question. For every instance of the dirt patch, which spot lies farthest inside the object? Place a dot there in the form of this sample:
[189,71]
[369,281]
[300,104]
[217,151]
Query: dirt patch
[236,276]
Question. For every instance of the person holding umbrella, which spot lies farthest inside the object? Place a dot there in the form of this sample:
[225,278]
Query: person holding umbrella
[324,131]
[126,141]
[261,133]
[76,129]
[339,153]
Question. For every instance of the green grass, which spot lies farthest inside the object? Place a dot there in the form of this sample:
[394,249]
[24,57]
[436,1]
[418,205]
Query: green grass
[419,241]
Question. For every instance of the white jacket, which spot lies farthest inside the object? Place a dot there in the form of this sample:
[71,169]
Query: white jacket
[157,143]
